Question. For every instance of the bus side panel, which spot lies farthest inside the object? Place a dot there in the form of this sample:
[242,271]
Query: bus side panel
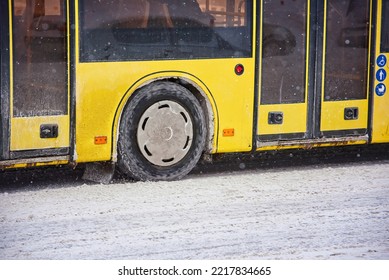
[380,115]
[101,87]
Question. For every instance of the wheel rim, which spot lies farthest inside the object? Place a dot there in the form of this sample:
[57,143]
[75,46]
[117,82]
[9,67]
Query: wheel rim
[165,133]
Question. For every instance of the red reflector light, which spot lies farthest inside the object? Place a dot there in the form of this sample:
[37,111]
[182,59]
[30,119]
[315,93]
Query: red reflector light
[239,69]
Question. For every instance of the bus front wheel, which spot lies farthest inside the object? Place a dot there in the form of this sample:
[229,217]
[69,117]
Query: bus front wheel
[162,133]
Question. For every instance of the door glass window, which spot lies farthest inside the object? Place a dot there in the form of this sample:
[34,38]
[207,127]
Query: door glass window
[39,58]
[283,51]
[347,36]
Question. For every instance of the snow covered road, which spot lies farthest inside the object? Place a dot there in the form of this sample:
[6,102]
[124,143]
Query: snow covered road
[331,211]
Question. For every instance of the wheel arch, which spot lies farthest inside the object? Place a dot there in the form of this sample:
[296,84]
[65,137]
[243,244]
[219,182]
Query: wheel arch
[190,82]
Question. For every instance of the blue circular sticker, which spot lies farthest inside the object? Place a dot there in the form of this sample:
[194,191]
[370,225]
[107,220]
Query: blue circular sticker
[380,89]
[380,75]
[381,60]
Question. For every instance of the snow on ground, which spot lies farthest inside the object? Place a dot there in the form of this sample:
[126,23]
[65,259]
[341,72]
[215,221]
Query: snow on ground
[331,211]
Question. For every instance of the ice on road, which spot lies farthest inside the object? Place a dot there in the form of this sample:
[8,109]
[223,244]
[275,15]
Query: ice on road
[327,212]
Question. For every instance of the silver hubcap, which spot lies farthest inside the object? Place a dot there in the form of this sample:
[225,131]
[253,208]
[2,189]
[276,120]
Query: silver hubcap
[165,133]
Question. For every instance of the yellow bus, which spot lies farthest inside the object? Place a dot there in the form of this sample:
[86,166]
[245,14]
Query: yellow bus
[149,86]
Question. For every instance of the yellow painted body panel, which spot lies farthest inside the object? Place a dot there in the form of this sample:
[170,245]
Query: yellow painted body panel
[295,119]
[26,133]
[103,88]
[332,115]
[380,113]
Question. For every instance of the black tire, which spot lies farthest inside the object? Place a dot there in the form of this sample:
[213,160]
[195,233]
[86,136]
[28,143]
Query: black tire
[162,133]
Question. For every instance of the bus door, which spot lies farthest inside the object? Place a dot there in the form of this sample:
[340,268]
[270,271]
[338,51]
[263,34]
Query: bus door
[313,69]
[39,81]
[345,68]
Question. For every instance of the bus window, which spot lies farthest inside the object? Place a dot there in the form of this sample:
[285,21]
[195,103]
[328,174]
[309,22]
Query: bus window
[39,58]
[385,27]
[346,50]
[164,29]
